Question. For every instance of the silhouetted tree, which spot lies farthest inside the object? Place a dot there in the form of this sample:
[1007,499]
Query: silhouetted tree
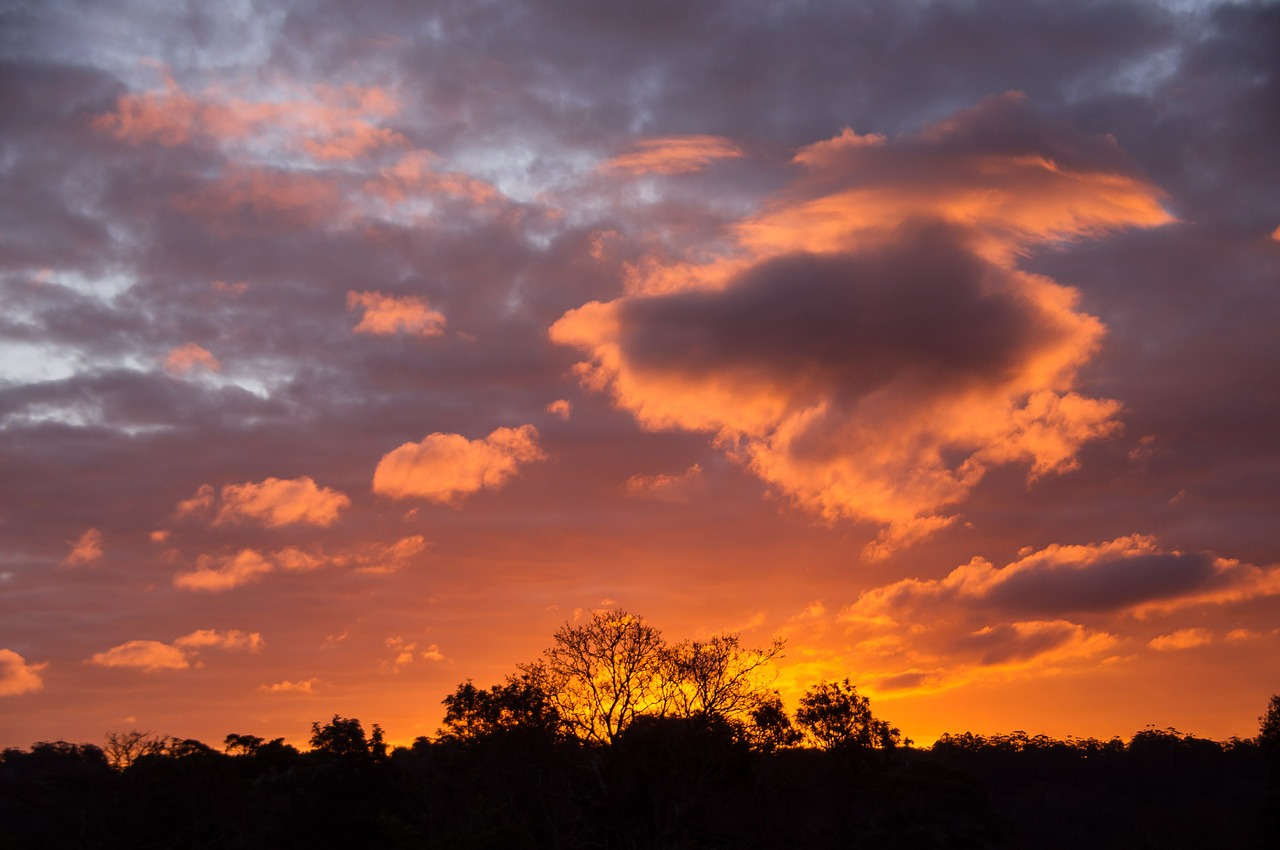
[1269,725]
[769,728]
[603,674]
[124,748]
[719,677]
[344,736]
[472,712]
[834,715]
[246,744]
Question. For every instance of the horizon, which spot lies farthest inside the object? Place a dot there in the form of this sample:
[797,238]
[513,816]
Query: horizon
[347,355]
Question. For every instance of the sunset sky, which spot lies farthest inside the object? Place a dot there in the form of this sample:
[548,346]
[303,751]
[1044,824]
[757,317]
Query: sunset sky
[347,350]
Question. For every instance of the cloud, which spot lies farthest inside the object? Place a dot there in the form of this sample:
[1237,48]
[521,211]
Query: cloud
[232,639]
[216,574]
[17,676]
[323,122]
[387,314]
[305,686]
[560,408]
[672,155]
[869,346]
[1042,612]
[86,549]
[219,573]
[446,467]
[667,488]
[152,655]
[396,556]
[145,655]
[1182,639]
[275,502]
[187,357]
[415,179]
[405,652]
[1131,574]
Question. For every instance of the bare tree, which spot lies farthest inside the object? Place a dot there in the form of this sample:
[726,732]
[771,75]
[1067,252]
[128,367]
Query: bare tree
[602,674]
[720,676]
[125,748]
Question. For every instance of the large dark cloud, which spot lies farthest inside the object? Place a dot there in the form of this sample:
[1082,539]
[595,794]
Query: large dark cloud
[924,310]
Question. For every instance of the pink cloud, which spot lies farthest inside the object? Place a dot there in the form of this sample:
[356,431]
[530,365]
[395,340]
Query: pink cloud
[665,487]
[86,549]
[306,687]
[672,155]
[446,467]
[388,314]
[189,356]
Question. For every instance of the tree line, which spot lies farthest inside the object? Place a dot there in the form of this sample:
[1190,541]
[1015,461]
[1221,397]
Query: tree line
[614,737]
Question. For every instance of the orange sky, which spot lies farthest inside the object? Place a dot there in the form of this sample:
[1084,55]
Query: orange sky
[345,360]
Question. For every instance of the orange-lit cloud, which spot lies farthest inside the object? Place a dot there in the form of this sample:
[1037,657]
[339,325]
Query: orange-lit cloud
[1131,574]
[869,347]
[1182,639]
[388,314]
[560,408]
[276,502]
[219,573]
[145,655]
[667,488]
[152,655]
[672,155]
[215,574]
[446,467]
[189,356]
[306,687]
[1036,613]
[231,639]
[86,549]
[17,676]
[395,557]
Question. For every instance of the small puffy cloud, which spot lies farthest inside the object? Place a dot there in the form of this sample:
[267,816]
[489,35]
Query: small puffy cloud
[277,501]
[86,549]
[560,408]
[432,653]
[185,358]
[446,467]
[160,535]
[667,488]
[388,314]
[152,655]
[295,560]
[17,676]
[231,639]
[145,655]
[1182,639]
[216,574]
[672,155]
[200,503]
[306,687]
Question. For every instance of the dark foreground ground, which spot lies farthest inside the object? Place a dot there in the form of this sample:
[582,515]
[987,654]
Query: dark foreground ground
[663,784]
